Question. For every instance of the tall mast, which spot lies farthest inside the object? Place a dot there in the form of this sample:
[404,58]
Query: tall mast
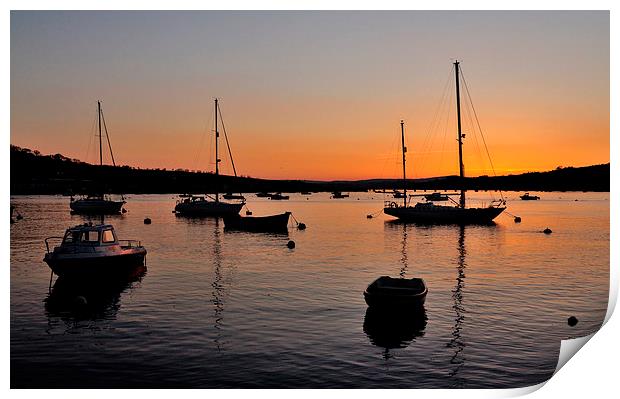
[217,160]
[402,134]
[460,135]
[100,146]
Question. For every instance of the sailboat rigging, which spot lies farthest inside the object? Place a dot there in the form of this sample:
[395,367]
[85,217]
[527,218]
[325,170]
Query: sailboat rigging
[98,204]
[206,205]
[429,212]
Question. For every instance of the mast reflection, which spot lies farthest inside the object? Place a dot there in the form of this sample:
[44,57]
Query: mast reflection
[456,342]
[218,286]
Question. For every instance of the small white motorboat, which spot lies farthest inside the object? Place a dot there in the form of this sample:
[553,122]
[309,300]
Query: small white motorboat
[93,249]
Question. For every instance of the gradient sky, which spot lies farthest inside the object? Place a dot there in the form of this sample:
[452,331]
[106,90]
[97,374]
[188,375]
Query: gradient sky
[314,95]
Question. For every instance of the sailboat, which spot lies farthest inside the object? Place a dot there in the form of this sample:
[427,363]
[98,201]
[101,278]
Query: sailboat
[98,204]
[429,212]
[209,205]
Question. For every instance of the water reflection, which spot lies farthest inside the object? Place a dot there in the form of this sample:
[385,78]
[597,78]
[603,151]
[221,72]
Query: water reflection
[456,343]
[394,329]
[218,287]
[78,300]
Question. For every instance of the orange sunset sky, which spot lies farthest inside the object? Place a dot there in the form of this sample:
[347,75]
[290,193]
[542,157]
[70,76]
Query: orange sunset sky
[314,95]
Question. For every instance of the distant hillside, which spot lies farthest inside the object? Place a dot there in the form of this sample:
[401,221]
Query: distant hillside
[33,173]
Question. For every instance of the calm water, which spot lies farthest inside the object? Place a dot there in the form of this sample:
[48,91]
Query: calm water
[223,309]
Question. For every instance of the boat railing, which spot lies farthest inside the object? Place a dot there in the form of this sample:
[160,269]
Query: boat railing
[47,245]
[130,243]
[389,204]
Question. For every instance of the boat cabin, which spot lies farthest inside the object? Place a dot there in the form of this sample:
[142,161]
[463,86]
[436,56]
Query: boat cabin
[87,234]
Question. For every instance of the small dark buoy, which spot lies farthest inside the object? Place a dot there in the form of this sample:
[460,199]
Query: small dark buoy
[147,220]
[124,210]
[547,231]
[517,219]
[248,213]
[301,226]
[572,321]
[290,244]
[19,217]
[369,216]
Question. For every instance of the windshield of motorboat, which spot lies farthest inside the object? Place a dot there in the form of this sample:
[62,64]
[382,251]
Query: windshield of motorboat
[88,237]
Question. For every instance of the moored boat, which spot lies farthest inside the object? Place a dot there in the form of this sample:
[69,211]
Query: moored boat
[273,223]
[528,197]
[263,194]
[98,204]
[338,194]
[231,196]
[93,250]
[430,213]
[206,205]
[278,197]
[436,197]
[396,292]
[201,206]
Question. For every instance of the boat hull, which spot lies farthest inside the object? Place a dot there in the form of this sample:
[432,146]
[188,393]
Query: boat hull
[207,208]
[96,206]
[274,223]
[95,263]
[387,292]
[444,214]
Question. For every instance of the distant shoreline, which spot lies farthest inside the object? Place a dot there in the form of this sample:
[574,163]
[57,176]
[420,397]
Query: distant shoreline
[33,173]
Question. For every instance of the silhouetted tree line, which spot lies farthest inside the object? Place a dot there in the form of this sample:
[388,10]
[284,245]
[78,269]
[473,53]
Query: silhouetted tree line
[33,173]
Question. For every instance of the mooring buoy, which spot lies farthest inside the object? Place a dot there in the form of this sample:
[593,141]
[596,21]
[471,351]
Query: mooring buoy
[517,219]
[147,220]
[369,216]
[547,231]
[572,321]
[290,244]
[301,226]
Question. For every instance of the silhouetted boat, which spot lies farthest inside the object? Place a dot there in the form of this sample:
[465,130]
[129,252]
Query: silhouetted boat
[338,194]
[231,196]
[207,205]
[263,194]
[429,212]
[436,197]
[98,204]
[93,249]
[398,194]
[306,193]
[278,197]
[396,292]
[528,197]
[274,223]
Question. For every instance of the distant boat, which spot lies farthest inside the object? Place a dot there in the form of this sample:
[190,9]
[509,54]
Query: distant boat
[306,193]
[263,194]
[338,194]
[429,212]
[207,205]
[98,204]
[436,197]
[392,292]
[273,223]
[93,250]
[398,194]
[528,197]
[231,196]
[278,197]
